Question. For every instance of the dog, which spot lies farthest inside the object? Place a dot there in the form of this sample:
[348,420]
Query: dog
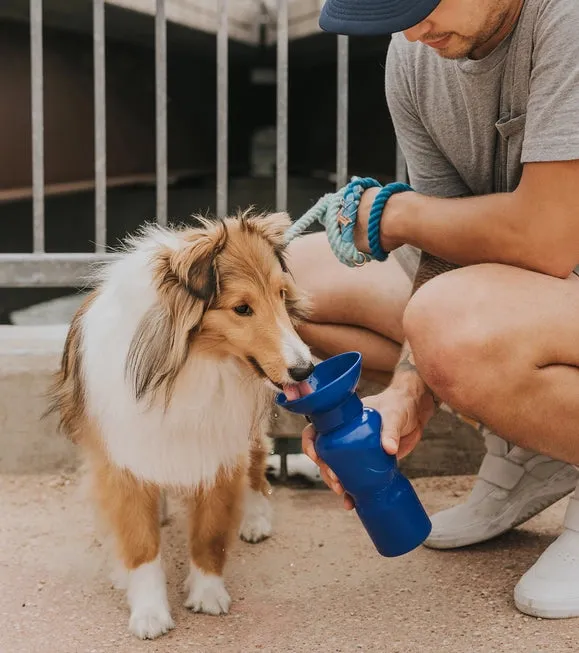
[167,381]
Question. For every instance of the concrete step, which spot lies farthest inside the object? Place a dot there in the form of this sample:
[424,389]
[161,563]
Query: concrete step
[29,443]
[30,355]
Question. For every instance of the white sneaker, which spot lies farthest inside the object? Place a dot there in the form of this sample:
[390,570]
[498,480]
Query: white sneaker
[513,485]
[550,589]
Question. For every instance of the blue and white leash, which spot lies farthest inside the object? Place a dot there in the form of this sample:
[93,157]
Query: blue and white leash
[338,213]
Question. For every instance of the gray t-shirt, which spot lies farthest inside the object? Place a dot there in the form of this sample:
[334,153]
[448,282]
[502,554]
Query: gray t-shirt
[448,115]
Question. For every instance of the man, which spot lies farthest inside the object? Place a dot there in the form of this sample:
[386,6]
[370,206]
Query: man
[484,96]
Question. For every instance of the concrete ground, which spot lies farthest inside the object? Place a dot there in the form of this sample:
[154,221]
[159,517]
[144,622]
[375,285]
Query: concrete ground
[316,585]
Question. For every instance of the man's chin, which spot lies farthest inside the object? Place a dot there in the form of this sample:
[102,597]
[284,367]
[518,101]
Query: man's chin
[454,53]
[456,50]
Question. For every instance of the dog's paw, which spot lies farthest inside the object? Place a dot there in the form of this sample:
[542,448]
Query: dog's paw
[207,593]
[150,622]
[147,597]
[257,518]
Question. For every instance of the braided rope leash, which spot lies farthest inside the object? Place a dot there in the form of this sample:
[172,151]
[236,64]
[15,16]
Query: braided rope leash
[338,213]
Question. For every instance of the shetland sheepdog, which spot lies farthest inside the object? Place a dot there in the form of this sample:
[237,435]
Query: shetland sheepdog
[167,380]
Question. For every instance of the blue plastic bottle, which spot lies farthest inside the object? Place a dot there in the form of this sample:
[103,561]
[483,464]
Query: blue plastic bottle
[348,440]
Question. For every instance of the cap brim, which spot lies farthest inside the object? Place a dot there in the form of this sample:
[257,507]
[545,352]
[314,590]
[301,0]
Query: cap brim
[373,17]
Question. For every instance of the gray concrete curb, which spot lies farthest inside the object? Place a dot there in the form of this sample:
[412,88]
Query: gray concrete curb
[28,358]
[29,444]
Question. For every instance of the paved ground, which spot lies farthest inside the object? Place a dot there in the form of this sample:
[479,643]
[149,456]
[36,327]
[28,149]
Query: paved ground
[317,585]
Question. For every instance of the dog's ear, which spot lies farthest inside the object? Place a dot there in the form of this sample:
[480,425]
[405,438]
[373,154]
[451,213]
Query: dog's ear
[187,282]
[160,344]
[150,351]
[273,227]
[194,264]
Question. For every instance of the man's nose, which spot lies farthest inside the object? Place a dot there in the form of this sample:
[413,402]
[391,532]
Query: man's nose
[418,31]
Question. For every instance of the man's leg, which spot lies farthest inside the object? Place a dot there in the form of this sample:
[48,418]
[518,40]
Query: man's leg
[361,308]
[353,308]
[500,344]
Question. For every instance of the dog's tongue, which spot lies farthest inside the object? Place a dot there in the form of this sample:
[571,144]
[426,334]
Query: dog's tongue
[296,390]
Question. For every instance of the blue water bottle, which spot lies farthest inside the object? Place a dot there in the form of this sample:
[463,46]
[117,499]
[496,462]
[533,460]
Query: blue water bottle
[348,440]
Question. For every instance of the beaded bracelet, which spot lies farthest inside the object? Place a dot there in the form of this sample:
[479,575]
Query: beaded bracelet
[385,193]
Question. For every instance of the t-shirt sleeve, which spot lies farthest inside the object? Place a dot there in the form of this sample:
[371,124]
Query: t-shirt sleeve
[429,171]
[552,122]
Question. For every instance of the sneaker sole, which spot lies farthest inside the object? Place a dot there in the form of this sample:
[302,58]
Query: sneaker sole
[496,527]
[560,610]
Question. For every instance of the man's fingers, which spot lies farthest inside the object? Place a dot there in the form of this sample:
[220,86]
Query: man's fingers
[328,476]
[330,479]
[348,502]
[408,443]
[390,441]
[308,437]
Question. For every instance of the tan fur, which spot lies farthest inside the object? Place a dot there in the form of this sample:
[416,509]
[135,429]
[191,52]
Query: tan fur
[257,468]
[67,395]
[130,509]
[214,518]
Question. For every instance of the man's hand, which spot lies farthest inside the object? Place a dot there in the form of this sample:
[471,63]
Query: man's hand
[404,414]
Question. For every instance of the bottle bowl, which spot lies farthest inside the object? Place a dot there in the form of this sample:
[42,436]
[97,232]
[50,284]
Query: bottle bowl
[331,381]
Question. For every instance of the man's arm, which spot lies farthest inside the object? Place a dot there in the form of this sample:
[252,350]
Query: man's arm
[536,227]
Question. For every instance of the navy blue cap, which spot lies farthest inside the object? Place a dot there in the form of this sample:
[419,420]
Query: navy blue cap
[373,17]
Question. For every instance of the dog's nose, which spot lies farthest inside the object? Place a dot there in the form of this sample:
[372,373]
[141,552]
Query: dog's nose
[301,372]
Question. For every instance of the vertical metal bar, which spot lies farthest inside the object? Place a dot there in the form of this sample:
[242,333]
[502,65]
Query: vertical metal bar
[401,172]
[342,118]
[100,134]
[37,108]
[222,108]
[282,106]
[161,109]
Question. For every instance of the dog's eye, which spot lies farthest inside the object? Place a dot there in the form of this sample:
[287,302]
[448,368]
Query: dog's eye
[243,309]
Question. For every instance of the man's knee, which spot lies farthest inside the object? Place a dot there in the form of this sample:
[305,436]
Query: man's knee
[455,348]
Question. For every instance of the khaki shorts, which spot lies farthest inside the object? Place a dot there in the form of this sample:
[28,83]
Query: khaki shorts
[408,257]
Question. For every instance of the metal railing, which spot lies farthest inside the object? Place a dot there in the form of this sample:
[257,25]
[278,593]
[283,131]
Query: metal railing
[67,269]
